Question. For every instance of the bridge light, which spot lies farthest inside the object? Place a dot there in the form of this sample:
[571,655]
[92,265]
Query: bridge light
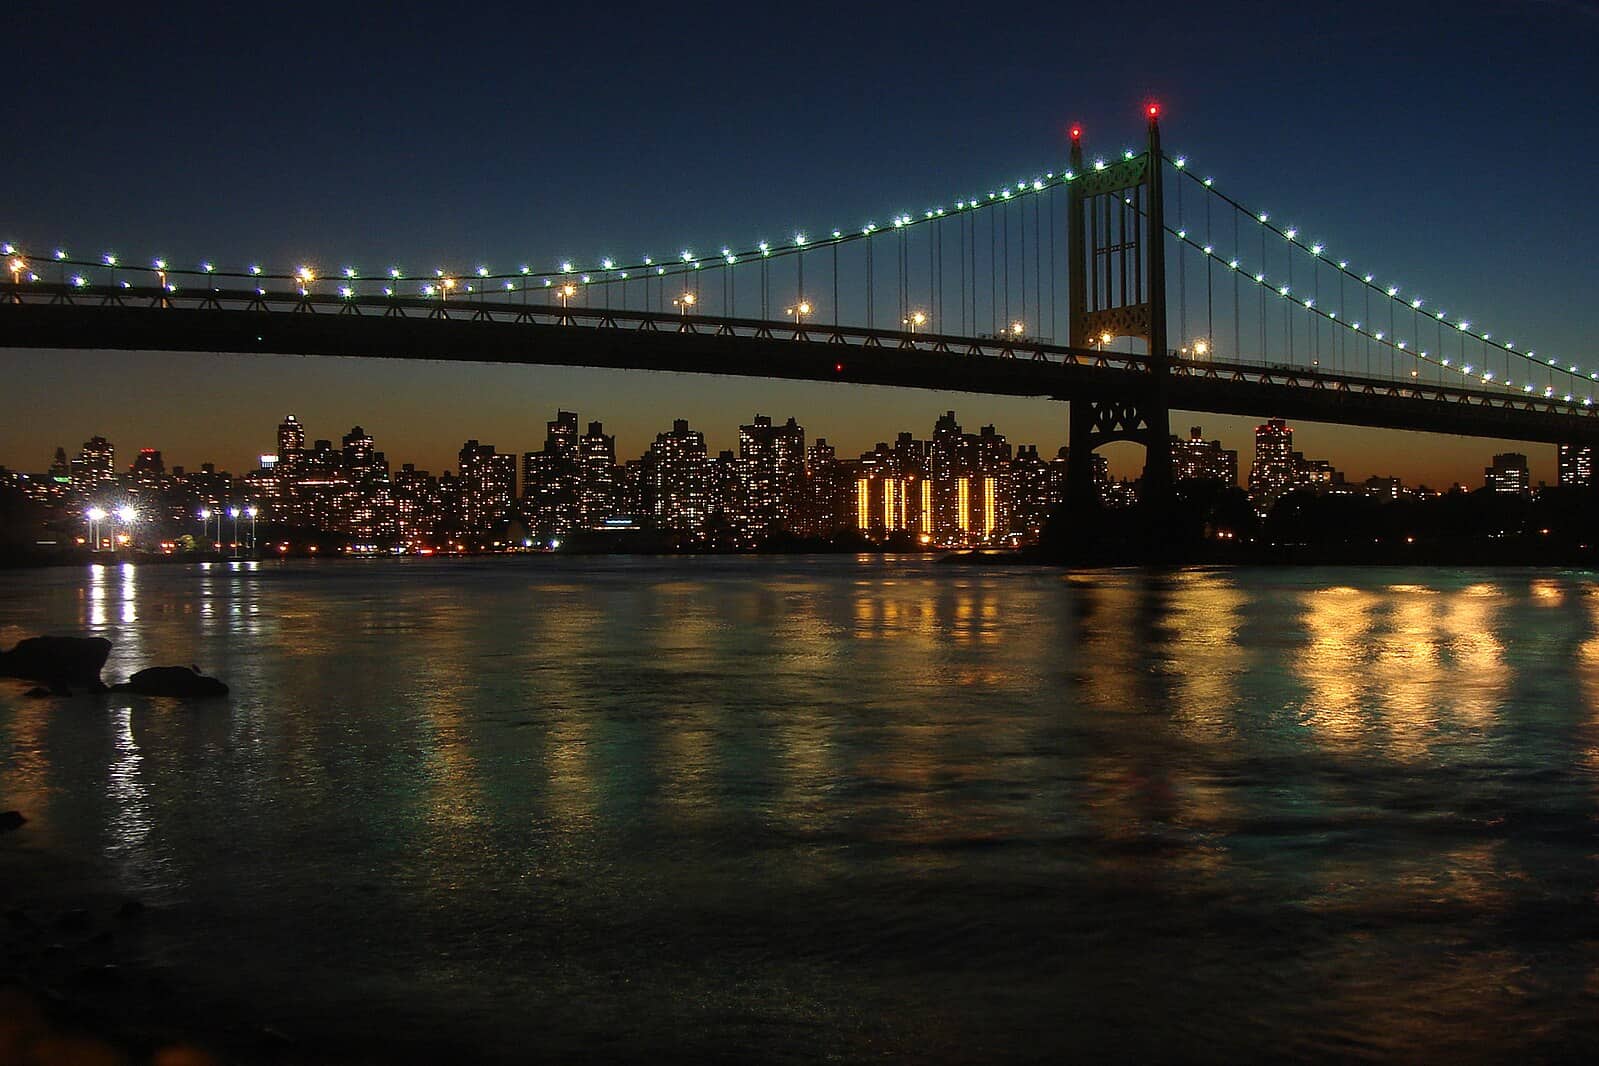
[160,264]
[648,261]
[1343,264]
[1099,164]
[1232,264]
[79,281]
[585,279]
[1367,279]
[1016,329]
[482,271]
[1315,249]
[1201,346]
[8,248]
[394,272]
[60,253]
[608,263]
[1182,234]
[1260,279]
[1207,249]
[109,259]
[686,255]
[1180,162]
[1290,233]
[523,270]
[1283,291]
[387,291]
[566,266]
[800,240]
[208,268]
[1393,290]
[915,321]
[1262,217]
[1127,153]
[255,270]
[1415,305]
[837,234]
[346,292]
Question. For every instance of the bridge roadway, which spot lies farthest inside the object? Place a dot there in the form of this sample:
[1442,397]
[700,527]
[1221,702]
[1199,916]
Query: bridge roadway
[498,329]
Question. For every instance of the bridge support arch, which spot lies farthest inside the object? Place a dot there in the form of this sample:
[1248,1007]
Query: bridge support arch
[1117,288]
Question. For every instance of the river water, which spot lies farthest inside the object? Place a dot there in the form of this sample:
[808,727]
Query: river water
[802,809]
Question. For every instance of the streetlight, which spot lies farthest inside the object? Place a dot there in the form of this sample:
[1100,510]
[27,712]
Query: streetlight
[1202,347]
[1015,329]
[205,525]
[684,302]
[252,512]
[1104,339]
[95,515]
[18,265]
[566,292]
[918,318]
[233,513]
[799,310]
[127,516]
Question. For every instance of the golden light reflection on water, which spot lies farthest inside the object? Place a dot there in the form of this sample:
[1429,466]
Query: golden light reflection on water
[1389,670]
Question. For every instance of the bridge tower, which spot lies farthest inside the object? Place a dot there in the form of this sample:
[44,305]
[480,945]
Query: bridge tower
[1117,288]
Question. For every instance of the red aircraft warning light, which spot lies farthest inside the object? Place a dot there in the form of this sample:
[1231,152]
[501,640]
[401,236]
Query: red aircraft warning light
[1077,133]
[1152,110]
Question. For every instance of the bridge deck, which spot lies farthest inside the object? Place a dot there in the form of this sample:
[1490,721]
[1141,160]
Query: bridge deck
[42,316]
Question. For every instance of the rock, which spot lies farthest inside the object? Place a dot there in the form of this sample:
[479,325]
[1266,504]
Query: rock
[10,820]
[59,662]
[38,692]
[181,681]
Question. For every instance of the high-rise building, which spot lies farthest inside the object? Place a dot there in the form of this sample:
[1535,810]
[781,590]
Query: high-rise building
[1029,492]
[1272,472]
[552,479]
[148,467]
[1198,459]
[1576,465]
[291,440]
[95,466]
[822,514]
[676,481]
[1508,474]
[771,468]
[597,462]
[487,487]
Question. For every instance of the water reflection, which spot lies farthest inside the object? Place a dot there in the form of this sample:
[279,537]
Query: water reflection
[941,770]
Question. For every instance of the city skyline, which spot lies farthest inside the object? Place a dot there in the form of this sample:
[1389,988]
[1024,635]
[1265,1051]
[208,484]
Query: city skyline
[718,437]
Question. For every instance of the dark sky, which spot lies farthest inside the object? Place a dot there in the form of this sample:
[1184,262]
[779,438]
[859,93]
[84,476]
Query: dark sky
[1449,145]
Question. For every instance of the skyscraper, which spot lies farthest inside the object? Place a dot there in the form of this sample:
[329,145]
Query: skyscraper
[1198,459]
[1272,472]
[1508,474]
[291,440]
[1576,465]
[770,470]
[597,463]
[552,479]
[487,487]
[677,481]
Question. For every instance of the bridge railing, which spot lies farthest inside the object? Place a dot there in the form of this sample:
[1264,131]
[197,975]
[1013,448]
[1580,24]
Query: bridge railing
[486,308]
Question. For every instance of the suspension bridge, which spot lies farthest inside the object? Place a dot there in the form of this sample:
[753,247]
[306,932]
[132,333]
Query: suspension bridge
[1127,286]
